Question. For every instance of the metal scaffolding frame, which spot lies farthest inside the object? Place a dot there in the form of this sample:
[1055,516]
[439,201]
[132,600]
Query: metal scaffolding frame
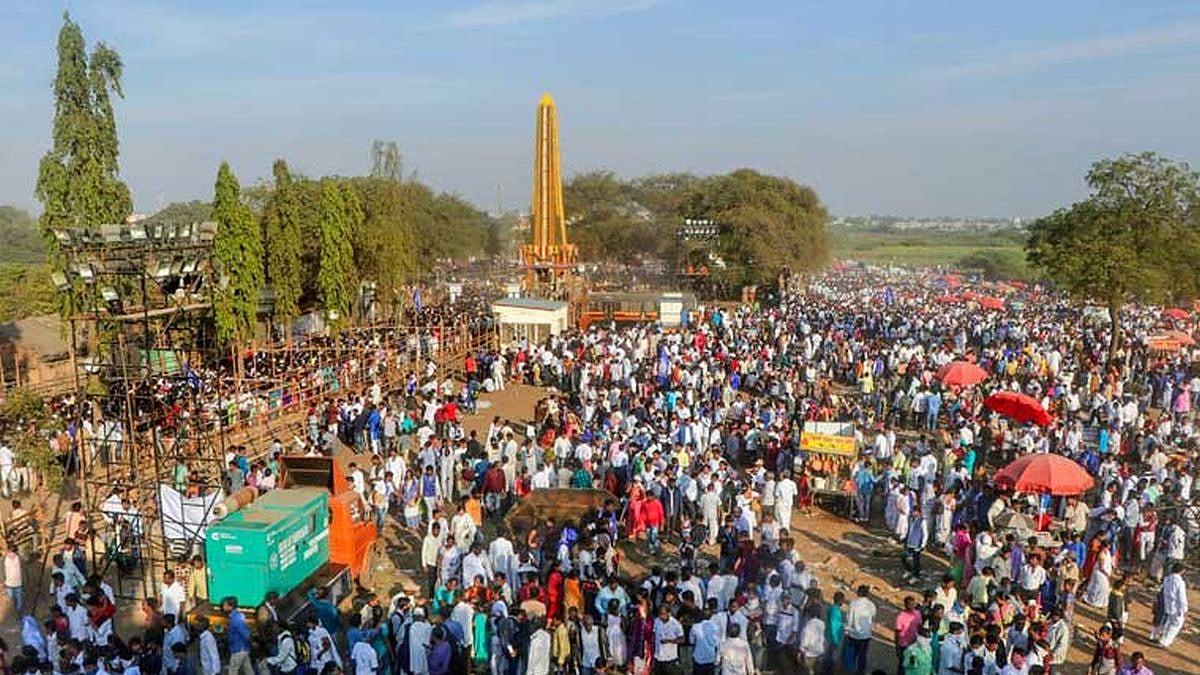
[140,293]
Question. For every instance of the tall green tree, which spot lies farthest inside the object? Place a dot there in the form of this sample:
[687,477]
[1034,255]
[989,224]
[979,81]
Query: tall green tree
[282,228]
[385,251]
[238,251]
[337,256]
[1133,238]
[79,181]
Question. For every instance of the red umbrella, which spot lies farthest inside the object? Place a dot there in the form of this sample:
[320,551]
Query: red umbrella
[961,374]
[991,303]
[947,299]
[1019,407]
[1045,474]
[1176,313]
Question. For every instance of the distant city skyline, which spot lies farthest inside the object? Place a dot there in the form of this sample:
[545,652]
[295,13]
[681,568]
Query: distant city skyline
[974,110]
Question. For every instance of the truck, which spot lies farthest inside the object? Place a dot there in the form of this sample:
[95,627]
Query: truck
[313,531]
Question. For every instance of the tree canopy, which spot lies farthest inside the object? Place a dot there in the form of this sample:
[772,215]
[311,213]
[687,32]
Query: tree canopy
[78,178]
[1133,238]
[281,230]
[337,256]
[238,254]
[770,223]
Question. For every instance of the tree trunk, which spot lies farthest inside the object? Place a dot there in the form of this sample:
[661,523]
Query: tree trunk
[1114,338]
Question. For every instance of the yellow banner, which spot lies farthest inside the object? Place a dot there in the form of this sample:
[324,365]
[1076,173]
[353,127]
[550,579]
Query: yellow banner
[811,441]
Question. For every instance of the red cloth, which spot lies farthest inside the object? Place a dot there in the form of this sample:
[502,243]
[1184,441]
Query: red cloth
[653,512]
[494,481]
[554,594]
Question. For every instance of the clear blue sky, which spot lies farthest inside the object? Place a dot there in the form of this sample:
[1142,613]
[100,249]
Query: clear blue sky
[973,108]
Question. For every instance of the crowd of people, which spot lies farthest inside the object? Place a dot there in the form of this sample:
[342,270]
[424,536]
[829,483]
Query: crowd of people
[696,433]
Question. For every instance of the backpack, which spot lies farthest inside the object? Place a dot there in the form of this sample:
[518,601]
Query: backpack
[303,652]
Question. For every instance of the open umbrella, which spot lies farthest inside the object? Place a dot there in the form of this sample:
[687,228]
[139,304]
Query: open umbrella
[1044,474]
[1019,407]
[1176,313]
[947,299]
[961,374]
[988,302]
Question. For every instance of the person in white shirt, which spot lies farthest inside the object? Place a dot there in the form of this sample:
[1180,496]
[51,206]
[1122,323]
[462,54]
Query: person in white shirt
[785,498]
[736,658]
[366,662]
[77,619]
[813,641]
[860,622]
[668,635]
[539,653]
[7,462]
[173,596]
[284,661]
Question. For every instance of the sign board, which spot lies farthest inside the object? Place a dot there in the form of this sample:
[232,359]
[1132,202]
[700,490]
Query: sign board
[831,438]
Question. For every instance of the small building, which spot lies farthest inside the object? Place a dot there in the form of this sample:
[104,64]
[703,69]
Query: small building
[532,318]
[34,353]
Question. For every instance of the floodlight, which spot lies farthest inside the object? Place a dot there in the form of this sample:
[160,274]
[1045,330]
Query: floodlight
[60,281]
[111,233]
[137,232]
[190,266]
[162,270]
[109,294]
[85,272]
[183,231]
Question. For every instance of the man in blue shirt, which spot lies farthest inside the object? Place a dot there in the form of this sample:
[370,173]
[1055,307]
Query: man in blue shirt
[864,486]
[706,641]
[238,635]
[612,591]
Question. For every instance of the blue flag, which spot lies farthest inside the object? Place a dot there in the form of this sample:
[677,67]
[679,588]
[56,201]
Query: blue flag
[417,299]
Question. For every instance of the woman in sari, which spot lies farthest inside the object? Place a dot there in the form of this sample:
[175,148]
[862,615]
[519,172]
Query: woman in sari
[641,636]
[637,522]
[1100,580]
[963,548]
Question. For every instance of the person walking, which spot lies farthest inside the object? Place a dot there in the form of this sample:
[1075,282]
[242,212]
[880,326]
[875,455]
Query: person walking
[1170,608]
[860,623]
[238,635]
[736,658]
[14,586]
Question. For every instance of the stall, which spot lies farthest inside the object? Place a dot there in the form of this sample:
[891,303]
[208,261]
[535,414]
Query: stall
[829,452]
[534,319]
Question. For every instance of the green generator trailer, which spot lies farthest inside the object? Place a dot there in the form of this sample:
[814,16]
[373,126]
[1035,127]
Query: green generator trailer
[273,544]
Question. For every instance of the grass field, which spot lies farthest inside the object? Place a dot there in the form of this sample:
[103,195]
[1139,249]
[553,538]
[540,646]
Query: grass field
[931,247]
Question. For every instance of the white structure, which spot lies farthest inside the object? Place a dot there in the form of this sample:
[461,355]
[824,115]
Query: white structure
[530,318]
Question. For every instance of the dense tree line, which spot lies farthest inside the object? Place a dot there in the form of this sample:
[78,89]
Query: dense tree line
[768,223]
[320,238]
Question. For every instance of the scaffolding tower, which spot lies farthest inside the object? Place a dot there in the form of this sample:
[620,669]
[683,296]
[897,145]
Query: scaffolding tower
[153,454]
